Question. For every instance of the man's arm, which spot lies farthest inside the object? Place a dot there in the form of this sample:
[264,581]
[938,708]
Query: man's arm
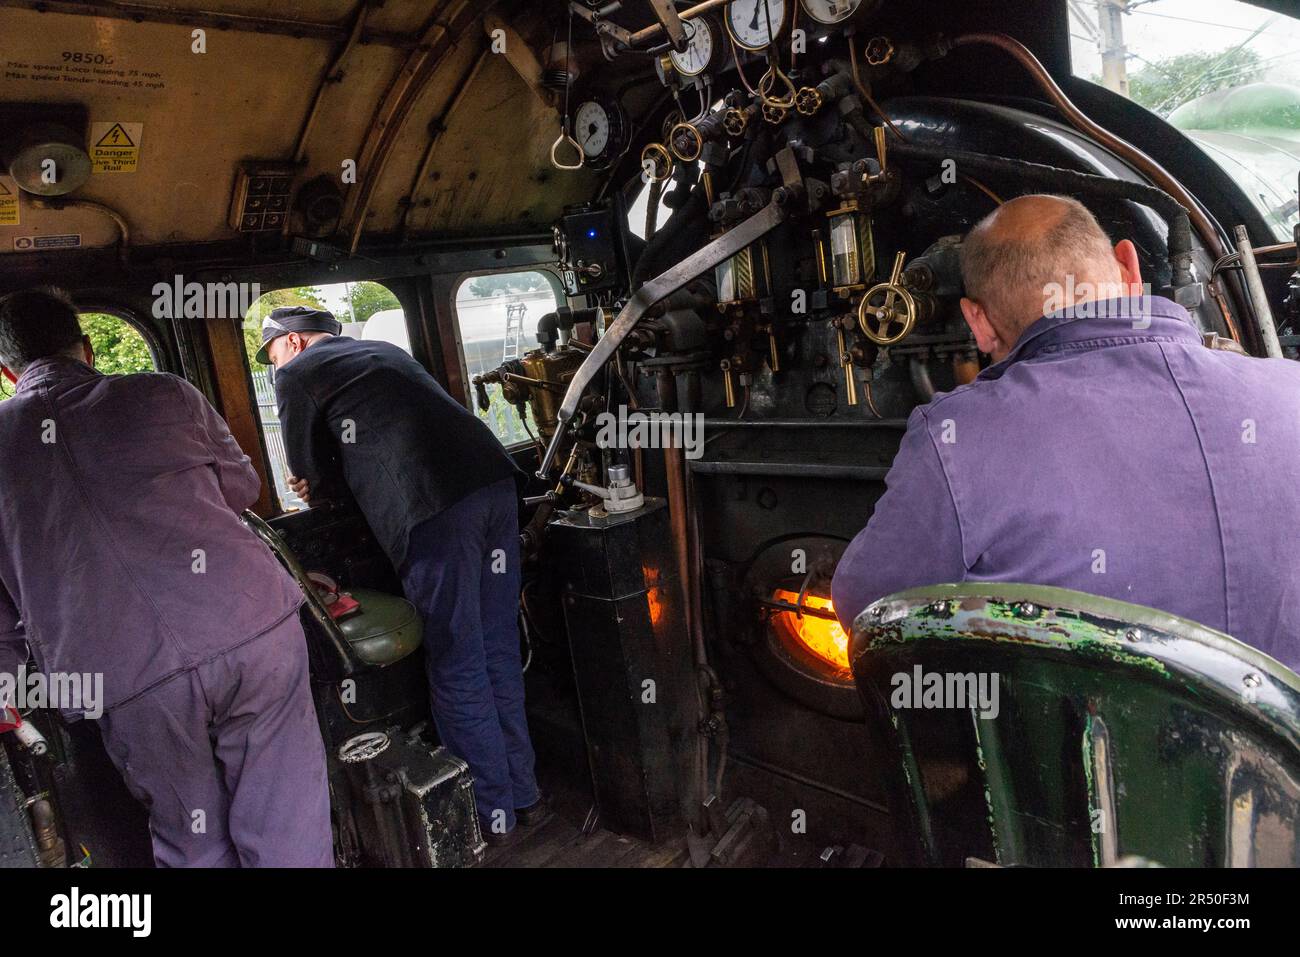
[308,445]
[914,536]
[239,481]
[13,640]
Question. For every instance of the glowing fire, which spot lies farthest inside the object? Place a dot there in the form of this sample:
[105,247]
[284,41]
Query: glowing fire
[822,637]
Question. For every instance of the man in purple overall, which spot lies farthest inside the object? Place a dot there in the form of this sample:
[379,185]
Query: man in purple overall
[1106,449]
[124,557]
[363,418]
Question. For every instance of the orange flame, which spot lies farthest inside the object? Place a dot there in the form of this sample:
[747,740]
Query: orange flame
[821,637]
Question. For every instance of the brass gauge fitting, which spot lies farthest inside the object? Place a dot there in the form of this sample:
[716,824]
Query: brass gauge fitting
[888,310]
[656,157]
[808,100]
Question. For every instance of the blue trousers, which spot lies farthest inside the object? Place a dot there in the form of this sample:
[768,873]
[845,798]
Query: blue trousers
[228,759]
[462,573]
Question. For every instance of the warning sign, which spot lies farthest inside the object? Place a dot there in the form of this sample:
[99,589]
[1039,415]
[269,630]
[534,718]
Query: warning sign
[8,202]
[115,147]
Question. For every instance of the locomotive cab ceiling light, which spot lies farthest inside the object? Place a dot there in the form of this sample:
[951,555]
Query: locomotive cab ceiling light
[48,159]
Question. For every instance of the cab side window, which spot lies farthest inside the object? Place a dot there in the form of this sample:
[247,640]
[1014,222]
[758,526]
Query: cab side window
[496,317]
[119,347]
[367,310]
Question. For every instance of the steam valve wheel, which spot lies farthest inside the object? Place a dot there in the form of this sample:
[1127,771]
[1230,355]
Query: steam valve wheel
[774,114]
[887,313]
[880,50]
[656,163]
[734,121]
[808,100]
[686,142]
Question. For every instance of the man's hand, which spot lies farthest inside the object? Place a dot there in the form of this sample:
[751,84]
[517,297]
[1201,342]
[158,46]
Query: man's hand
[300,488]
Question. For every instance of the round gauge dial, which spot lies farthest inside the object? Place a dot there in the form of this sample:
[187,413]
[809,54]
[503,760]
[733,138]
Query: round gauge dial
[697,56]
[754,24]
[592,126]
[831,11]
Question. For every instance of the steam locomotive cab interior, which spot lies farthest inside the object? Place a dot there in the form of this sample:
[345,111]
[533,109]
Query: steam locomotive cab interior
[730,226]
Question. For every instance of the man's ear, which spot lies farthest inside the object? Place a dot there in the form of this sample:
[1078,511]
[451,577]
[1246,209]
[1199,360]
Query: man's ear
[8,374]
[986,338]
[1130,269]
[88,350]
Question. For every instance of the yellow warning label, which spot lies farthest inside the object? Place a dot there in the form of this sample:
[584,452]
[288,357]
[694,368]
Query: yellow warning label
[115,147]
[8,202]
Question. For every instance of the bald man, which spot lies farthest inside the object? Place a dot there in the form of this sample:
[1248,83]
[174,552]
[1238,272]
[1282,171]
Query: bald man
[1105,449]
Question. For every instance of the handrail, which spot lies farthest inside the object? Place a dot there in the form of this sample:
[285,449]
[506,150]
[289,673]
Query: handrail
[272,539]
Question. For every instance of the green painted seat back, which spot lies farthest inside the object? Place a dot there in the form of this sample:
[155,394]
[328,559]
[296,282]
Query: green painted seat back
[1120,731]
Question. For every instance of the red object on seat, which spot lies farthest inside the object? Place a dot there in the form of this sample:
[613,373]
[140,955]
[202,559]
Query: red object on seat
[8,725]
[337,603]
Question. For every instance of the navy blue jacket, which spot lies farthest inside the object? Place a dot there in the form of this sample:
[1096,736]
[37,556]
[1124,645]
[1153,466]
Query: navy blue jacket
[366,417]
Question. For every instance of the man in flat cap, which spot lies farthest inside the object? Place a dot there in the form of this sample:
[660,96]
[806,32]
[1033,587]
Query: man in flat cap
[441,496]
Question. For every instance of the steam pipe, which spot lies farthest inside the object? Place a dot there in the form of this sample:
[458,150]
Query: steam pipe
[1168,207]
[1258,297]
[1127,151]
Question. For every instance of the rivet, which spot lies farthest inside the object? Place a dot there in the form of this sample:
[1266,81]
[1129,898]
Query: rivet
[1252,680]
[1133,634]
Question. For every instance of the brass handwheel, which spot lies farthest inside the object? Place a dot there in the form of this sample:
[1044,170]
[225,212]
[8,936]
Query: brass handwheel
[887,312]
[656,157]
[686,142]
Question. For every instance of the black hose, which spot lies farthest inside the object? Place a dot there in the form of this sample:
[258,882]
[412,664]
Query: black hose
[1068,180]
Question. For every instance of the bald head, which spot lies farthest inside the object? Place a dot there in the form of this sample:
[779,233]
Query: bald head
[1035,255]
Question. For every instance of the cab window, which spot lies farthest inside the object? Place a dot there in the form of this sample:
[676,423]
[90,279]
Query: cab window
[119,347]
[367,310]
[496,316]
[1226,74]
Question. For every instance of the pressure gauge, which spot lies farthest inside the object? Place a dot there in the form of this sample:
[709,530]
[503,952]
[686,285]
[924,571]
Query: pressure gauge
[701,45]
[831,11]
[599,129]
[755,24]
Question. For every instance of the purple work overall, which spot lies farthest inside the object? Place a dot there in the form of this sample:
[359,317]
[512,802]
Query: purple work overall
[1111,453]
[123,556]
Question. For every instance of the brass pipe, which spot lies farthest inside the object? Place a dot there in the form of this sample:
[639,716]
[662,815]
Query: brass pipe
[655,31]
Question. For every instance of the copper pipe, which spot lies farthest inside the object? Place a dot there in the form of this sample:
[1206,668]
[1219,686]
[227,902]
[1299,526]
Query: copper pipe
[1122,148]
[656,30]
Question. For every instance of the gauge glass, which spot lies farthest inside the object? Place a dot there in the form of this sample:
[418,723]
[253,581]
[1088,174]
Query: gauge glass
[755,23]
